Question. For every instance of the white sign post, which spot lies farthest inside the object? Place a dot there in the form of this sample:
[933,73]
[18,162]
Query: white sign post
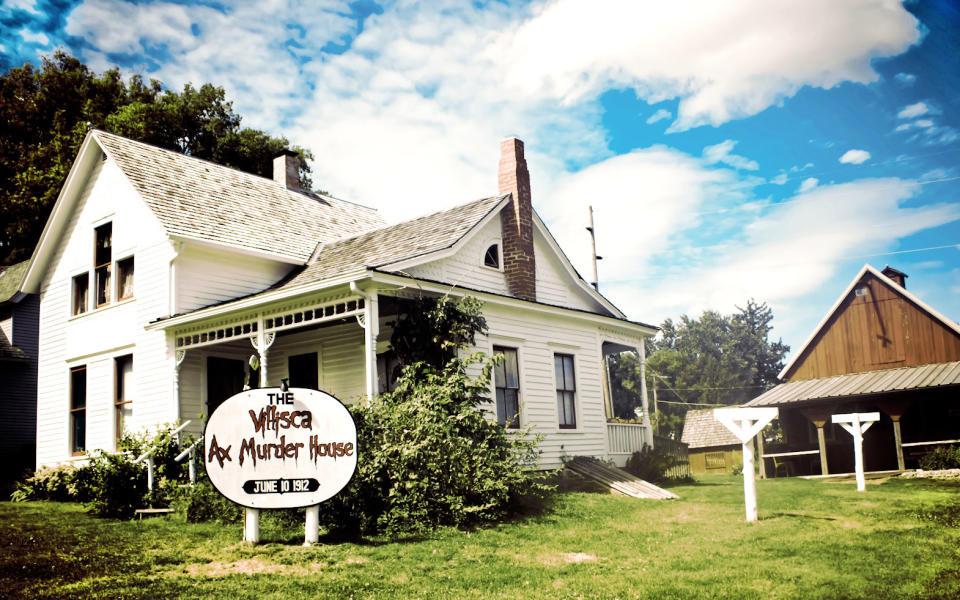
[269,448]
[746,423]
[856,425]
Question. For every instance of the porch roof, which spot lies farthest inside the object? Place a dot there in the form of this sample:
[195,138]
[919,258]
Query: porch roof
[10,280]
[861,384]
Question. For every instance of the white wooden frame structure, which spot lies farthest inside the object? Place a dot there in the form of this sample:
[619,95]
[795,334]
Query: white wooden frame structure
[856,425]
[745,423]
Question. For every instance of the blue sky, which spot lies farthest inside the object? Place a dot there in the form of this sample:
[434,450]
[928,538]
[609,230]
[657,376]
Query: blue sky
[730,149]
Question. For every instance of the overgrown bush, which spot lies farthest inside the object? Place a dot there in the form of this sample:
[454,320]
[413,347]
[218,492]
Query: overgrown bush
[651,464]
[111,484]
[429,455]
[63,483]
[941,457]
[201,502]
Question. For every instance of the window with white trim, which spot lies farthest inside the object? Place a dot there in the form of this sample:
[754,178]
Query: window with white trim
[123,393]
[78,410]
[102,259]
[506,380]
[566,391]
[491,258]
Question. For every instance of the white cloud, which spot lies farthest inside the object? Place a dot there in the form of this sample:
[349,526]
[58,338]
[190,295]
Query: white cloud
[780,179]
[904,127]
[27,5]
[913,110]
[721,153]
[36,37]
[808,184]
[725,60]
[924,123]
[855,157]
[905,79]
[659,116]
[786,253]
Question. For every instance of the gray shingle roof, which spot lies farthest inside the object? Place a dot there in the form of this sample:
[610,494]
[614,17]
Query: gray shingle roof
[861,384]
[11,278]
[397,242]
[201,200]
[701,430]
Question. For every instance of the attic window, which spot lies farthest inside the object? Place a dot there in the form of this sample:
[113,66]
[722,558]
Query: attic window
[491,257]
[861,291]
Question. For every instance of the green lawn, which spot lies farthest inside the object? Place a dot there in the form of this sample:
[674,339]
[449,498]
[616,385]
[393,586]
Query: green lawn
[899,539]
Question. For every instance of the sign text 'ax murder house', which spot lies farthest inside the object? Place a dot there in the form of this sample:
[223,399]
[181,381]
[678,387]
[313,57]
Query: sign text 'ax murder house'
[268,448]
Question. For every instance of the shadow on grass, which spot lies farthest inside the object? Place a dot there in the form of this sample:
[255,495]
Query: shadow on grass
[778,515]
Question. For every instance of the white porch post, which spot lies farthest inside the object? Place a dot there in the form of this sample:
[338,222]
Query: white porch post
[856,424]
[746,423]
[261,343]
[648,424]
[370,322]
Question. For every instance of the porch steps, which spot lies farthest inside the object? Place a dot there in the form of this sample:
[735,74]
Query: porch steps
[616,479]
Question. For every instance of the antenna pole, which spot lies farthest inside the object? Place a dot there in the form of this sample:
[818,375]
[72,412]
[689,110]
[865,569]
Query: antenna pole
[593,245]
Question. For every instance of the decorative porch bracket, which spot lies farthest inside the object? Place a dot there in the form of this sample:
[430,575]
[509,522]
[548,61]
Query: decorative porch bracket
[856,424]
[745,423]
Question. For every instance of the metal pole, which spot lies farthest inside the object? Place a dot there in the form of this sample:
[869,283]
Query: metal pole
[150,473]
[593,253]
[251,525]
[193,464]
[312,525]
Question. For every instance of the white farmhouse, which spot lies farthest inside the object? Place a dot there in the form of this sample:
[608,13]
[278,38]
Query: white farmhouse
[160,274]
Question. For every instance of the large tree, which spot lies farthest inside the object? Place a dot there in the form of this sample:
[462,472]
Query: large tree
[45,114]
[696,363]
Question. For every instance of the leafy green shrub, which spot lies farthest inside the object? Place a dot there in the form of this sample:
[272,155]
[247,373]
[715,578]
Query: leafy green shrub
[63,483]
[652,464]
[201,502]
[430,457]
[118,486]
[941,457]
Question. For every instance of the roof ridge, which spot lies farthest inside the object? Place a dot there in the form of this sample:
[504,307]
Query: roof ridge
[416,219]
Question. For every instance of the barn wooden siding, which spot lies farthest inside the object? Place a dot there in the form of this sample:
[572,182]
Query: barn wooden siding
[879,330]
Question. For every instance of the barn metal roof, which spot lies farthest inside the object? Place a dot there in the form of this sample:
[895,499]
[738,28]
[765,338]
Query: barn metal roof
[861,384]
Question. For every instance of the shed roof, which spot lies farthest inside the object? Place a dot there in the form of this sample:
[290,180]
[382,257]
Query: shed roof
[701,430]
[861,384]
[198,199]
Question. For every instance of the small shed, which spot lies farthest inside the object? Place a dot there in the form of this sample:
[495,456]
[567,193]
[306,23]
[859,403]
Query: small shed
[712,447]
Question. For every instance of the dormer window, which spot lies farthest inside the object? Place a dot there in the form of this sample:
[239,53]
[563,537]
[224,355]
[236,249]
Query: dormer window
[491,257]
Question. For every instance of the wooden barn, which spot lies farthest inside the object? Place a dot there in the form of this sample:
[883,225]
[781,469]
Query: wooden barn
[712,448]
[878,349]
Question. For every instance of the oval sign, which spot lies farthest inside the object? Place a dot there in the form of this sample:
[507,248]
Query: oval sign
[267,448]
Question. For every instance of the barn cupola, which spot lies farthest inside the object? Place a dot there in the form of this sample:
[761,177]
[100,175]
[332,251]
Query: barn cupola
[286,169]
[516,221]
[898,277]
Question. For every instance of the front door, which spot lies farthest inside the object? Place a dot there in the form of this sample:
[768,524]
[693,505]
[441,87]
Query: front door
[224,379]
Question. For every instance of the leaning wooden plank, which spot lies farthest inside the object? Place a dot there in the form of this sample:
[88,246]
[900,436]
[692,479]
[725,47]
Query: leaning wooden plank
[617,479]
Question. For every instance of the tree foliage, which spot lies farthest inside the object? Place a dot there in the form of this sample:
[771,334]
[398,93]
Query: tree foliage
[714,360]
[45,114]
[431,457]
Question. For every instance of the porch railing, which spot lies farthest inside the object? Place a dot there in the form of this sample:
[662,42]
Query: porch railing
[625,438]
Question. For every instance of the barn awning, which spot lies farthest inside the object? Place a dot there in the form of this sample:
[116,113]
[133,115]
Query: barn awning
[861,384]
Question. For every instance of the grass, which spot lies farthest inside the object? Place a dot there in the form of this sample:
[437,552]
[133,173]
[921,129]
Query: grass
[815,539]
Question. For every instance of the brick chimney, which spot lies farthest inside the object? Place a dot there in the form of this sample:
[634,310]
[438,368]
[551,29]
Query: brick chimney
[516,221]
[286,169]
[898,277]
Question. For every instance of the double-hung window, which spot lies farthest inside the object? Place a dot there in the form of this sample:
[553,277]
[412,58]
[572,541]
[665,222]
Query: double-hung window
[102,259]
[81,291]
[566,391]
[506,379]
[123,393]
[78,410]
